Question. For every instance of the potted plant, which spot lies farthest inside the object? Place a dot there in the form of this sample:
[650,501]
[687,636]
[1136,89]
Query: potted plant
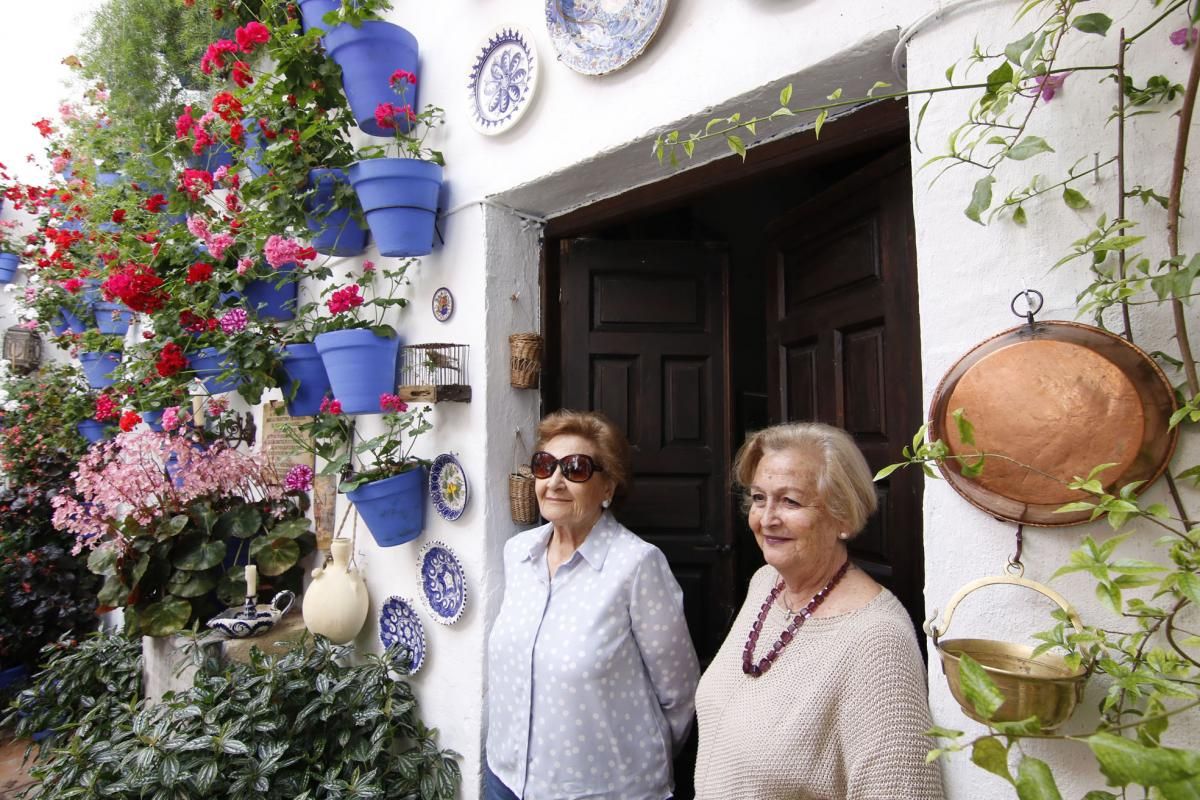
[359,352]
[380,475]
[399,194]
[12,248]
[38,413]
[167,517]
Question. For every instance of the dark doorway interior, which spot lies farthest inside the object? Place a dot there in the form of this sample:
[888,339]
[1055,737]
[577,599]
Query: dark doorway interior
[675,310]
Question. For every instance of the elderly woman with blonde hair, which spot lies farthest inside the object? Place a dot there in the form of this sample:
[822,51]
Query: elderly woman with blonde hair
[591,671]
[819,690]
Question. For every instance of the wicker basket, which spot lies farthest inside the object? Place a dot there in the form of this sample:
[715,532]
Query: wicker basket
[522,501]
[525,360]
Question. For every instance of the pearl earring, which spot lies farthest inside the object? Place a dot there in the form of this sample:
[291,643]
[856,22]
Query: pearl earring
[605,503]
[843,535]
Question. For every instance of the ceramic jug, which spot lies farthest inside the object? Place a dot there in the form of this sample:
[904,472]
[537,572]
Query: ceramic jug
[335,604]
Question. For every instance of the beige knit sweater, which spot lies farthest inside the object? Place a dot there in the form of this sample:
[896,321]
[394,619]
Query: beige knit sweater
[839,716]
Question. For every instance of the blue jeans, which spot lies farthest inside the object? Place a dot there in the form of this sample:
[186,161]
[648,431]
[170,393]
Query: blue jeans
[494,788]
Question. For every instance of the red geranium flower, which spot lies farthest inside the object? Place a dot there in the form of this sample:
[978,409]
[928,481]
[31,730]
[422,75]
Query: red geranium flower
[214,56]
[227,107]
[241,74]
[155,203]
[129,420]
[199,272]
[251,35]
[170,360]
[118,215]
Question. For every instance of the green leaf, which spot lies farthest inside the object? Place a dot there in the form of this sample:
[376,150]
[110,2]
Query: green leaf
[1189,584]
[199,555]
[165,617]
[1028,147]
[1035,781]
[1118,243]
[1124,761]
[191,584]
[1109,594]
[1092,23]
[821,117]
[966,431]
[785,95]
[1074,199]
[736,145]
[274,556]
[291,528]
[103,560]
[888,470]
[989,754]
[938,732]
[981,198]
[113,593]
[978,687]
[1015,50]
[1019,215]
[172,526]
[241,522]
[878,85]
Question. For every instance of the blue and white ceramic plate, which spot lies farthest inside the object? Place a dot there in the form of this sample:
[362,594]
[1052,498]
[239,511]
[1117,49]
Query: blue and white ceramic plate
[443,583]
[503,78]
[600,36]
[443,304]
[399,624]
[448,487]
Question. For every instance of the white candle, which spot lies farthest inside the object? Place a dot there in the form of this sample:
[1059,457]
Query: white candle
[251,580]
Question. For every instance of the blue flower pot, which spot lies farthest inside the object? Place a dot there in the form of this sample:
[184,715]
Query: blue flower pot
[112,318]
[92,430]
[312,11]
[400,198]
[368,56]
[13,677]
[91,291]
[98,367]
[153,419]
[393,508]
[208,363]
[213,158]
[273,298]
[335,232]
[253,149]
[66,321]
[8,266]
[71,225]
[361,366]
[108,178]
[304,373]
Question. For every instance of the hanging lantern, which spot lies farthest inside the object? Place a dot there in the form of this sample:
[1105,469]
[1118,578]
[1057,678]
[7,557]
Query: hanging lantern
[22,349]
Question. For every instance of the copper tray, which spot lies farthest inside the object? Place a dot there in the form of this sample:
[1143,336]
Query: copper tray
[1062,398]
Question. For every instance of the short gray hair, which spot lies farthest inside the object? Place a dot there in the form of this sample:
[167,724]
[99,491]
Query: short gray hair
[844,481]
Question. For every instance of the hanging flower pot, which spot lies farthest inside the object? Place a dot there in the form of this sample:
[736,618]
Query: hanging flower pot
[212,158]
[208,364]
[368,55]
[8,266]
[273,298]
[154,419]
[92,430]
[253,149]
[305,383]
[98,367]
[313,11]
[361,366]
[400,198]
[393,508]
[112,318]
[335,232]
[108,178]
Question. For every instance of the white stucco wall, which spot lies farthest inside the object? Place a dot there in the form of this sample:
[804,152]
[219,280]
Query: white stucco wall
[587,138]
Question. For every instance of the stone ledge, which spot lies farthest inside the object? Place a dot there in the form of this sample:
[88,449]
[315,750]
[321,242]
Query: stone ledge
[274,642]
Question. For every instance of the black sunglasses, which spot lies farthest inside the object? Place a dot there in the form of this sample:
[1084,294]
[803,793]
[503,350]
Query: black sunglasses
[576,468]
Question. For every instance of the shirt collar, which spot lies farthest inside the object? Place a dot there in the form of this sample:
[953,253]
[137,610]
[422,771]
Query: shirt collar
[593,550]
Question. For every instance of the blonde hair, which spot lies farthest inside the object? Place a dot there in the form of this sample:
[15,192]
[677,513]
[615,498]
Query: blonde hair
[844,481]
[612,448]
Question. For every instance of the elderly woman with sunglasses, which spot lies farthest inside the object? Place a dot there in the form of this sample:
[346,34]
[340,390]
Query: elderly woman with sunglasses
[591,671]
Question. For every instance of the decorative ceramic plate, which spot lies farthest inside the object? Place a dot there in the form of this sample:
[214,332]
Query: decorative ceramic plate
[503,79]
[599,36]
[443,582]
[448,487]
[400,625]
[443,304]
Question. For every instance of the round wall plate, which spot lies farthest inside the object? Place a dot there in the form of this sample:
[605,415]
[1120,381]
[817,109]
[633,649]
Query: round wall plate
[443,583]
[448,487]
[443,304]
[503,79]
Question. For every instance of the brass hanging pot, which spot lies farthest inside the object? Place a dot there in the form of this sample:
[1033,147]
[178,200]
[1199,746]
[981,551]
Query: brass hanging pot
[1044,686]
[1050,401]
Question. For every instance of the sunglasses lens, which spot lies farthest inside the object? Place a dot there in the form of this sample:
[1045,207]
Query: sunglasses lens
[577,468]
[542,465]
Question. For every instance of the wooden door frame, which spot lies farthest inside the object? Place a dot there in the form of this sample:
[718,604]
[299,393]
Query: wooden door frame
[863,131]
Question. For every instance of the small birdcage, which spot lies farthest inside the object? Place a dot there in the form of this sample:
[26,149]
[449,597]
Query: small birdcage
[432,373]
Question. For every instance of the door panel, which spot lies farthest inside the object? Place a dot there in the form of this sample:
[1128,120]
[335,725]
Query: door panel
[644,332]
[842,324]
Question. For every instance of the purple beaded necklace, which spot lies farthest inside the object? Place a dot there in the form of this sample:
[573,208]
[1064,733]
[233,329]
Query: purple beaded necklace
[764,663]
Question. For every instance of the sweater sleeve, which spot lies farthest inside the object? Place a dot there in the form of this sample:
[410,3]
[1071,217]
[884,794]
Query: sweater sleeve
[885,713]
[661,633]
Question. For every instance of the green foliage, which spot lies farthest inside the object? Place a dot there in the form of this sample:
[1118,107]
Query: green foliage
[304,724]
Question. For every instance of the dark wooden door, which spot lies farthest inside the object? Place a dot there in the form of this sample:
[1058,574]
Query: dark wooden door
[644,340]
[843,339]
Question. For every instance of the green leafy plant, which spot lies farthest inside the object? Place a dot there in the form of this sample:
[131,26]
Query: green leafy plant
[302,725]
